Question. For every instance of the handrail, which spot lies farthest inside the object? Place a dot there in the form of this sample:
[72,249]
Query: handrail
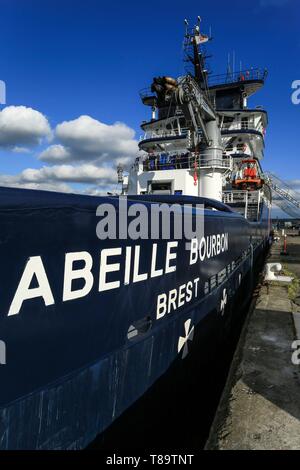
[154,134]
[184,161]
[240,196]
[146,92]
[166,133]
[283,191]
[225,78]
[248,202]
[242,126]
[236,77]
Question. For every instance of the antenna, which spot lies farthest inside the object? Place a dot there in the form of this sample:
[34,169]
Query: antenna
[194,40]
[120,171]
[197,27]
[228,66]
[233,63]
[186,26]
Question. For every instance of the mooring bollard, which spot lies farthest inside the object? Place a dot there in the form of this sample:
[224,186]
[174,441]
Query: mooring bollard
[284,251]
[272,271]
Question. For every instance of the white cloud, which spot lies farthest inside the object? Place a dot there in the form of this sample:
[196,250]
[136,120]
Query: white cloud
[56,178]
[95,149]
[55,153]
[86,173]
[16,181]
[294,183]
[86,139]
[20,149]
[54,175]
[100,190]
[20,125]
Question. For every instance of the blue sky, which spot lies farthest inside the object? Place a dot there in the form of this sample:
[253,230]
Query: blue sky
[69,58]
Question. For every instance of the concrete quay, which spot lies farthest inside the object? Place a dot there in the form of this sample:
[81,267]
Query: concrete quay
[260,404]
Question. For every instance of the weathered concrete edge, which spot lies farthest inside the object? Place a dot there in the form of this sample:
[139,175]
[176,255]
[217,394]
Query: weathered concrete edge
[220,422]
[296,318]
[225,422]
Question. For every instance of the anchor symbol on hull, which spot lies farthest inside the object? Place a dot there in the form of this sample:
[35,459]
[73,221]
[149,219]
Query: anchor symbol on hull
[223,301]
[183,340]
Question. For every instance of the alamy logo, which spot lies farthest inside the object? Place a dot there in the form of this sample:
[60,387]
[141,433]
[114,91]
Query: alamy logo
[128,220]
[296,94]
[2,353]
[296,353]
[2,92]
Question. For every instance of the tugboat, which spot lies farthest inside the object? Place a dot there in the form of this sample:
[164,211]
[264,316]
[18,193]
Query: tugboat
[102,333]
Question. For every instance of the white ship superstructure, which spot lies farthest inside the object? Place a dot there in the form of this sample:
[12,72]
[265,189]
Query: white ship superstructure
[202,139]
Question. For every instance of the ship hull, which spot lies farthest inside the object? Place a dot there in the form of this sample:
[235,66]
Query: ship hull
[74,366]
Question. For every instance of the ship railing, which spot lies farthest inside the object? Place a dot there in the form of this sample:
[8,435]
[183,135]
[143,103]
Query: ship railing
[225,78]
[230,197]
[216,163]
[184,130]
[165,133]
[247,202]
[240,196]
[144,92]
[187,160]
[237,77]
[242,126]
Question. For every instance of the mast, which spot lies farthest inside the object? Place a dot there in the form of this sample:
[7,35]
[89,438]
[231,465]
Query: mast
[193,40]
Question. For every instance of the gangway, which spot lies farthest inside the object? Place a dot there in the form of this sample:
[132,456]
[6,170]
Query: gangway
[285,197]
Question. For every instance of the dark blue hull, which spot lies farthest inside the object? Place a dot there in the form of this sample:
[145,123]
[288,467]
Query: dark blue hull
[74,366]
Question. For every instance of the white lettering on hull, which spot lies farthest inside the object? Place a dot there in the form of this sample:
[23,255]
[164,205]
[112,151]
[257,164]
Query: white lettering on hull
[176,298]
[208,247]
[113,261]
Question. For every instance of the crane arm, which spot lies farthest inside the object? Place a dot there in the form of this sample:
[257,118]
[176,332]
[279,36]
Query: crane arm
[196,108]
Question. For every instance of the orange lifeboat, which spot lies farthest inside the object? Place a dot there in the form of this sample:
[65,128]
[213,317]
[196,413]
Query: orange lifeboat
[249,180]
